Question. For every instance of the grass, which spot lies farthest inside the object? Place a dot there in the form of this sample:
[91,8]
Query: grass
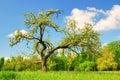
[65,75]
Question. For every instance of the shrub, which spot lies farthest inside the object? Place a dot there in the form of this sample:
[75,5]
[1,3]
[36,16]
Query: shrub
[19,67]
[86,66]
[75,62]
[57,64]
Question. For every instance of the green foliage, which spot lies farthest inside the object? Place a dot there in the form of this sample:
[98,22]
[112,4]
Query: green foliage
[86,39]
[106,60]
[20,63]
[57,63]
[60,64]
[8,75]
[81,63]
[35,24]
[12,64]
[90,42]
[7,65]
[70,59]
[87,36]
[1,62]
[114,47]
[86,66]
[35,66]
[75,62]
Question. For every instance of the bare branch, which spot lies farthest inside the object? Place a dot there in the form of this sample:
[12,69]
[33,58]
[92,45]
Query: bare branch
[52,51]
[74,51]
[37,47]
[31,38]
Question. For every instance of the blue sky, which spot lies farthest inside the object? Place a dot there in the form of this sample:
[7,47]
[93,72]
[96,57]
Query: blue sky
[93,11]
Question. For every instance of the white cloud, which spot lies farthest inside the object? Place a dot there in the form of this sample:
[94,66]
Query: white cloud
[16,32]
[96,10]
[110,22]
[81,16]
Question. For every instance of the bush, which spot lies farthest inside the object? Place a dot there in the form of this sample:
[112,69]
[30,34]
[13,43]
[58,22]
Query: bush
[75,62]
[57,64]
[86,66]
[8,75]
[19,67]
[60,64]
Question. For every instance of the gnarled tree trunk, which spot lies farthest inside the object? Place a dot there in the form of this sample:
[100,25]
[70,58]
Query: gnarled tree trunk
[44,65]
[45,57]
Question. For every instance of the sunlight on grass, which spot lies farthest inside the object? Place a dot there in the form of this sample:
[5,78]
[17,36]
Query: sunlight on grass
[65,75]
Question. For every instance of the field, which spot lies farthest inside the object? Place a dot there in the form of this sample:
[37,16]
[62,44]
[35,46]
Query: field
[65,75]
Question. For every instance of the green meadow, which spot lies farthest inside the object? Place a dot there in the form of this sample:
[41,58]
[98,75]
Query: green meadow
[60,75]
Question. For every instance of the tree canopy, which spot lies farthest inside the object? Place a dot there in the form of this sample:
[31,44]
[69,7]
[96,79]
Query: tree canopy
[114,47]
[85,38]
[106,60]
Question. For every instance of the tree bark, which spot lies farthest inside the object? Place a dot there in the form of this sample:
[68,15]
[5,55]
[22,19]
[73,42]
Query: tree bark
[44,66]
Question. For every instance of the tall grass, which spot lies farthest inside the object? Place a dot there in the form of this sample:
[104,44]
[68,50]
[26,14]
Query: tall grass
[8,75]
[65,75]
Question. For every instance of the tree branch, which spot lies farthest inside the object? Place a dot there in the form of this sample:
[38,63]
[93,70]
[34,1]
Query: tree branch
[52,51]
[74,51]
[37,47]
[42,28]
[31,38]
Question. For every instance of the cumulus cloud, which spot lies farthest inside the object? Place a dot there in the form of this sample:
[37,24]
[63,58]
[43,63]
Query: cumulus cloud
[109,22]
[81,16]
[16,32]
[112,21]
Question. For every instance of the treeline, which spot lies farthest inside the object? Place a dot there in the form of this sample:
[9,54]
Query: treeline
[107,60]
[20,63]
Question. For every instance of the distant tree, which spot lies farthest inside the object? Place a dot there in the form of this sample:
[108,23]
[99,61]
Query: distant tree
[106,60]
[1,62]
[114,47]
[20,63]
[38,25]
